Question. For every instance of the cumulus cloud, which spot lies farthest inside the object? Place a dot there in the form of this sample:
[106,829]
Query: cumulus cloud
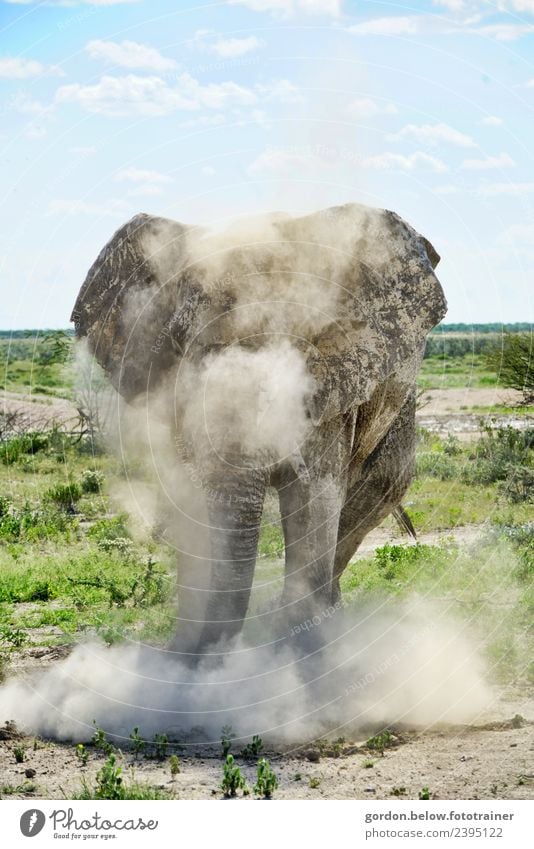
[67,207]
[152,96]
[286,163]
[503,160]
[506,32]
[17,68]
[129,54]
[287,8]
[391,161]
[225,48]
[435,134]
[397,25]
[367,107]
[145,183]
[512,189]
[140,175]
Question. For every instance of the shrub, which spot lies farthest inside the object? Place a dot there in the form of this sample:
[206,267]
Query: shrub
[106,529]
[266,780]
[513,361]
[503,455]
[92,480]
[18,446]
[435,465]
[233,779]
[65,496]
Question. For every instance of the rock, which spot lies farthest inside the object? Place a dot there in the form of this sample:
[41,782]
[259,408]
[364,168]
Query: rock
[30,773]
[313,755]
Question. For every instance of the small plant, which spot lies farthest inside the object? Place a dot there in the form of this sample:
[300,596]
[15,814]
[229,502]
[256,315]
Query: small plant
[109,780]
[253,749]
[16,636]
[398,791]
[266,780]
[92,481]
[19,752]
[424,794]
[138,744]
[368,764]
[65,496]
[380,741]
[313,782]
[233,779]
[227,735]
[82,754]
[161,743]
[297,776]
[174,765]
[100,741]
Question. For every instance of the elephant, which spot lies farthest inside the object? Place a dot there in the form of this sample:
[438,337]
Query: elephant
[288,349]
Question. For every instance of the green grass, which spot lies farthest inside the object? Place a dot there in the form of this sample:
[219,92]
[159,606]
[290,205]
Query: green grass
[469,370]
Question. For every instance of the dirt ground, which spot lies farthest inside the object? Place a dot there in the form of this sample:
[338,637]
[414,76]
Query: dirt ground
[494,758]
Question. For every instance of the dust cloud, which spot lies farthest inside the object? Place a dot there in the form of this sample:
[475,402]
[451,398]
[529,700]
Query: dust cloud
[334,675]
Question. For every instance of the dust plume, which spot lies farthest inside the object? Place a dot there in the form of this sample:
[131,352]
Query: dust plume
[380,665]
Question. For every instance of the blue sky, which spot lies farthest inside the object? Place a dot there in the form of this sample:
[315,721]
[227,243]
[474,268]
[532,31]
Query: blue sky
[207,112]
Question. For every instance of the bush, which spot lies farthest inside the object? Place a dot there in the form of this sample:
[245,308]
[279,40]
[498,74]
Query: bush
[19,446]
[266,780]
[108,529]
[31,524]
[65,496]
[514,363]
[233,779]
[503,455]
[436,466]
[92,480]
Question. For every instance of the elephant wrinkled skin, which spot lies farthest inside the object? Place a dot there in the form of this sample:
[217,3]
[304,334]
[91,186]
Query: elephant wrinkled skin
[288,351]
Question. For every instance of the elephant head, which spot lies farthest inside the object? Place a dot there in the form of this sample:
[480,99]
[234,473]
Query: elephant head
[350,292]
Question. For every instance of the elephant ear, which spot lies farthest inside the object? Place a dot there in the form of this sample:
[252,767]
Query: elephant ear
[128,306]
[389,300]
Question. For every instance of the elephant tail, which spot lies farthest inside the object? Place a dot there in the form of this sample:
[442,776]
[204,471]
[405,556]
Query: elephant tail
[404,521]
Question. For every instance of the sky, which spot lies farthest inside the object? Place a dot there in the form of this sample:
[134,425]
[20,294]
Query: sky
[207,112]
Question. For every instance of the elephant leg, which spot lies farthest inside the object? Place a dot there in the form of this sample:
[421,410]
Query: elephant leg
[377,489]
[234,505]
[310,517]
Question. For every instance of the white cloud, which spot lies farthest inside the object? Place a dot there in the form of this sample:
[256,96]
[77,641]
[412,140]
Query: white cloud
[226,48]
[399,25]
[286,163]
[434,134]
[134,95]
[492,121]
[35,131]
[79,207]
[446,189]
[503,160]
[518,236]
[366,107]
[281,90]
[141,175]
[512,189]
[24,104]
[286,8]
[89,150]
[208,171]
[506,32]
[389,161]
[129,54]
[17,68]
[71,2]
[145,190]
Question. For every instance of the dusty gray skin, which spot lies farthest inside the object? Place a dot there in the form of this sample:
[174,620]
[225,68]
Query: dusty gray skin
[152,303]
